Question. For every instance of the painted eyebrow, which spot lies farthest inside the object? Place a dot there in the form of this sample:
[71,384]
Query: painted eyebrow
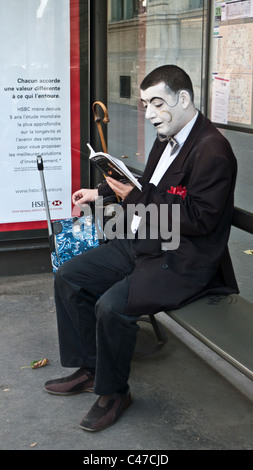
[154,98]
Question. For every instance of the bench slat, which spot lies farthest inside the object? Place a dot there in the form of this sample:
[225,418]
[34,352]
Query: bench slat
[225,324]
[243,220]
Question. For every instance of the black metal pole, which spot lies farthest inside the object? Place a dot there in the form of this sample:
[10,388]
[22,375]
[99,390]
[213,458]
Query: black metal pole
[207,57]
[98,73]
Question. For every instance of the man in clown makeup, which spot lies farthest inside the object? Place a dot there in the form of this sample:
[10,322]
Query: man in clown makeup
[101,294]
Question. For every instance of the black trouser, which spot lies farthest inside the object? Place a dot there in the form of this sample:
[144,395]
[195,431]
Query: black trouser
[91,292]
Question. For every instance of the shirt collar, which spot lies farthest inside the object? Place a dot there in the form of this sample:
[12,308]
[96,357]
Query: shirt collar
[182,135]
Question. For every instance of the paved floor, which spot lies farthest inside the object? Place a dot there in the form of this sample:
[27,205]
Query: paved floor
[179,401]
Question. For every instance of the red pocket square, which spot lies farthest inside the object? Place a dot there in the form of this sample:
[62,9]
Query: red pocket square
[181,190]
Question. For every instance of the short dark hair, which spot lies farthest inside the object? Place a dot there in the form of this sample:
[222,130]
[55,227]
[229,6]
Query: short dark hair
[172,75]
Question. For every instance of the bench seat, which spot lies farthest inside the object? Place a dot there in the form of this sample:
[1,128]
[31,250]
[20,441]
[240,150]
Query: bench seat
[225,324]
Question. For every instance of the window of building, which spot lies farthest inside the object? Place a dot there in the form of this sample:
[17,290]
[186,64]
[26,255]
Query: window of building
[124,9]
[125,86]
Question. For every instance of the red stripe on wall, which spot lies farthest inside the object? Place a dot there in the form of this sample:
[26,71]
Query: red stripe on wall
[75,92]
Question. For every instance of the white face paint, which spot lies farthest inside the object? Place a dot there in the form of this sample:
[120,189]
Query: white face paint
[163,109]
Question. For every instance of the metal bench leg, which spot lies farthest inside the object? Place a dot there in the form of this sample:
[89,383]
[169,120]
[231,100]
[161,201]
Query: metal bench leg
[157,330]
[159,334]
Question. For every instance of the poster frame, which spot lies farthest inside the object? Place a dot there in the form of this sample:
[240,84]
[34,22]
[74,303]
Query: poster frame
[38,229]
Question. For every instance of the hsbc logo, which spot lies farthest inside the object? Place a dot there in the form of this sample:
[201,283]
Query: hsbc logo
[38,204]
[57,203]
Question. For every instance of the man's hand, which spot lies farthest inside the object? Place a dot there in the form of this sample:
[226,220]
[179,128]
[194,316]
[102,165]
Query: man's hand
[122,190]
[83,196]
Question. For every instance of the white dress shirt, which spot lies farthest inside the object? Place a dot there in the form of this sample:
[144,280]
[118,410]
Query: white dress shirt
[164,162]
[166,159]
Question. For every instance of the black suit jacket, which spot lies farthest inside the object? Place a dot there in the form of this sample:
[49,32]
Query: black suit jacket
[201,264]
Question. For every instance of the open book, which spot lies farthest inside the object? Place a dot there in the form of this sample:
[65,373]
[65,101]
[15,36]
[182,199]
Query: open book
[113,167]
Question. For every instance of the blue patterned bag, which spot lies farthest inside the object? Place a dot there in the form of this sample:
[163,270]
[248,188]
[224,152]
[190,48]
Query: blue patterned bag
[71,237]
[68,237]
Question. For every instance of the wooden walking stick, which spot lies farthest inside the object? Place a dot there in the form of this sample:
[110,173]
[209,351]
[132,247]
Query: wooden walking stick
[98,121]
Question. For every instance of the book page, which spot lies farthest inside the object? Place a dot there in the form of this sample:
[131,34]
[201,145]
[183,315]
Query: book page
[118,164]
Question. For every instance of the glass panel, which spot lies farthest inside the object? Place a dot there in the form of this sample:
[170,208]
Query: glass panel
[230,108]
[242,145]
[231,64]
[230,86]
[142,35]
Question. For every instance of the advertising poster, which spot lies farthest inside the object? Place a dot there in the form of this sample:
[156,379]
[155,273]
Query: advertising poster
[220,93]
[39,63]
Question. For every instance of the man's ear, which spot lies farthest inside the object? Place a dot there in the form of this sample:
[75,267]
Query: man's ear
[185,99]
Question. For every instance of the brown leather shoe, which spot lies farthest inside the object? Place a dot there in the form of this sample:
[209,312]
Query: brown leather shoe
[101,417]
[79,382]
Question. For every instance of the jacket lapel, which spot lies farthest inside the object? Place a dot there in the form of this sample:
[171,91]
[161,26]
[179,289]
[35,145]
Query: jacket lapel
[176,169]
